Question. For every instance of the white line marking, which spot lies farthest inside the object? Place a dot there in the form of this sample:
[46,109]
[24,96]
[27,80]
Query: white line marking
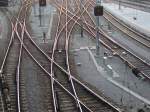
[109,67]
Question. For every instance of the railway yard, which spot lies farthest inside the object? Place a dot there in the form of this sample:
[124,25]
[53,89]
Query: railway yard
[57,56]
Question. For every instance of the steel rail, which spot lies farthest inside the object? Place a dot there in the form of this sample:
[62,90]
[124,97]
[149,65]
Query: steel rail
[13,27]
[102,99]
[76,16]
[54,47]
[2,66]
[10,42]
[67,57]
[19,59]
[67,22]
[58,33]
[57,6]
[18,72]
[53,52]
[67,45]
[11,39]
[67,52]
[52,81]
[78,22]
[20,56]
[63,70]
[19,64]
[29,53]
[71,18]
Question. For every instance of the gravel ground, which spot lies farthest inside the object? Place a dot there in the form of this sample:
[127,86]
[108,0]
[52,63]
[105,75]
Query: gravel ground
[37,86]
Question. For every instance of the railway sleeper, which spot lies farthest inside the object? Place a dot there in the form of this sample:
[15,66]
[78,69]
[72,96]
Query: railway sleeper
[5,93]
[65,102]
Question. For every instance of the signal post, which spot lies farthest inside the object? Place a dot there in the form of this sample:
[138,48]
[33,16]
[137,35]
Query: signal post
[42,3]
[98,11]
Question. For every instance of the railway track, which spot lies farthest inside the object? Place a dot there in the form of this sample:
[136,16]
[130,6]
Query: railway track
[132,59]
[140,4]
[64,92]
[64,89]
[129,59]
[67,78]
[10,74]
[9,70]
[60,58]
[60,83]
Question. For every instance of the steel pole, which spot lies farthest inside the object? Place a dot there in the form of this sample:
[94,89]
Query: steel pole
[34,6]
[40,17]
[97,36]
[81,18]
